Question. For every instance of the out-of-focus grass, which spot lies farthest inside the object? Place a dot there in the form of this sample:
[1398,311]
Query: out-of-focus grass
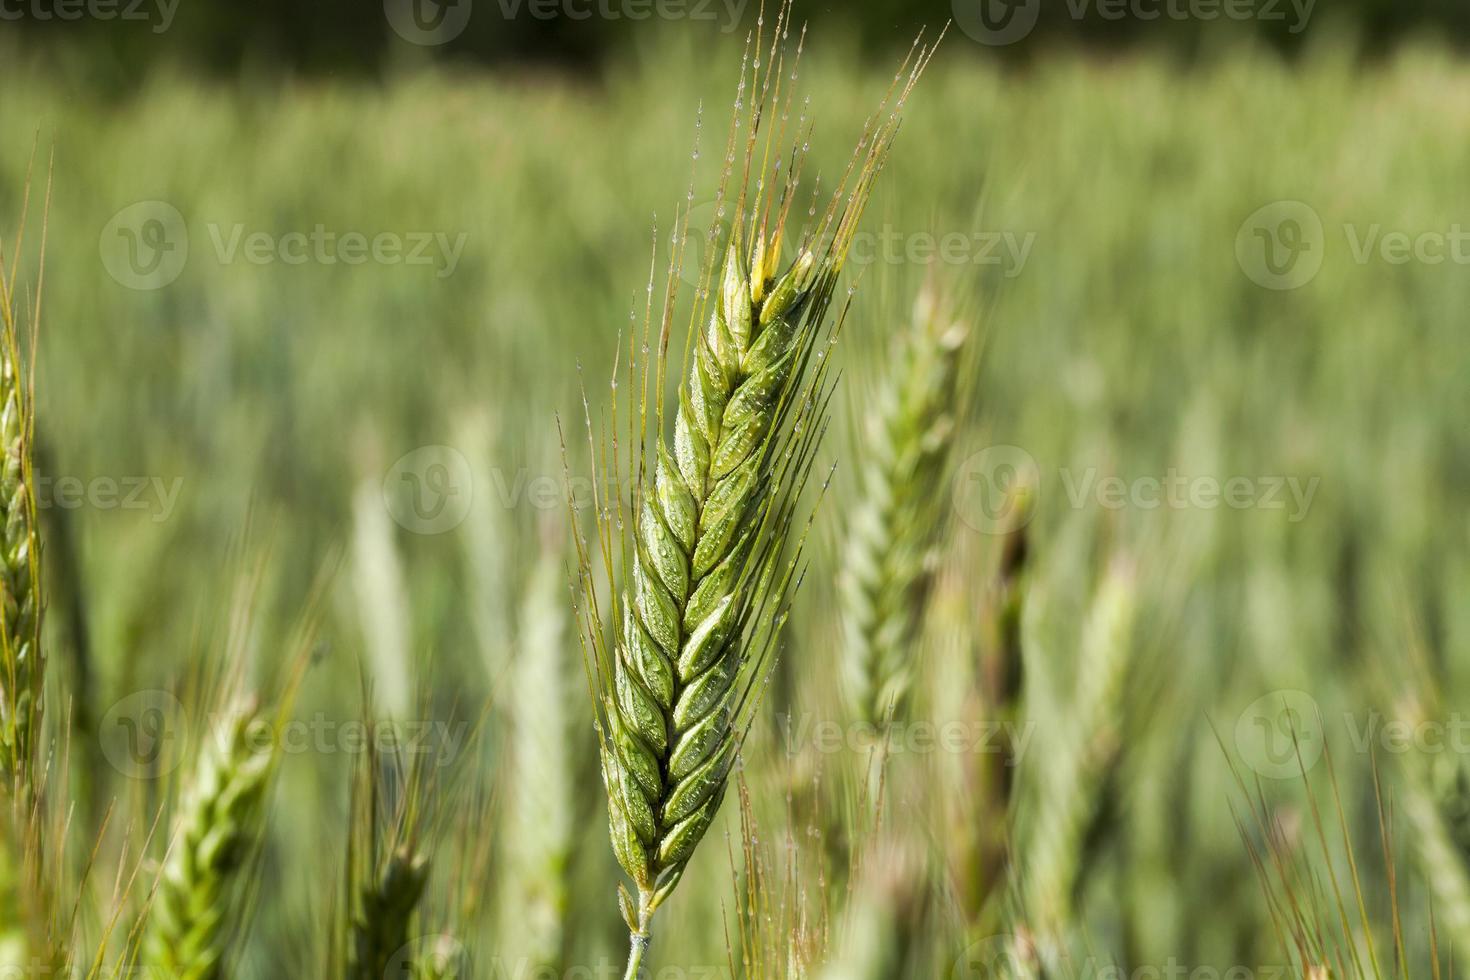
[1129,340]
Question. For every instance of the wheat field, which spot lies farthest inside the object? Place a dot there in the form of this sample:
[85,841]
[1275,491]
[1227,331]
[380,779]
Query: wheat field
[1102,610]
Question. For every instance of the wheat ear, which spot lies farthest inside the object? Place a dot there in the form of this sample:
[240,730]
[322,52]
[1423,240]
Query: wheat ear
[982,846]
[888,559]
[540,795]
[386,905]
[1436,801]
[25,897]
[22,660]
[1073,777]
[675,668]
[223,818]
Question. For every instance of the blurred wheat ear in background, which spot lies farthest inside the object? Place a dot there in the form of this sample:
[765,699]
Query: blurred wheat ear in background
[677,665]
[889,559]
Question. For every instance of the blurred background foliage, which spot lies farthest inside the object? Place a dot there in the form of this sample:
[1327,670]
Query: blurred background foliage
[345,37]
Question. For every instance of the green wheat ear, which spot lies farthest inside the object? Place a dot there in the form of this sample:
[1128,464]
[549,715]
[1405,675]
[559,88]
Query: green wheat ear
[675,667]
[223,818]
[888,561]
[1072,780]
[386,905]
[22,659]
[27,896]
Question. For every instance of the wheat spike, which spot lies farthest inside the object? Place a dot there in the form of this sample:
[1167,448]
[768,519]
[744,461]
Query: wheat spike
[709,534]
[675,668]
[22,660]
[1073,777]
[541,797]
[223,817]
[888,561]
[386,905]
[1436,801]
[24,898]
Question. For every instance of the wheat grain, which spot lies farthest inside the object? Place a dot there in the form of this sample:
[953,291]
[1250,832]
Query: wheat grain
[675,668]
[221,823]
[888,561]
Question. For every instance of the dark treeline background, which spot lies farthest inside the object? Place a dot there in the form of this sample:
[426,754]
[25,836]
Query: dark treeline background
[314,37]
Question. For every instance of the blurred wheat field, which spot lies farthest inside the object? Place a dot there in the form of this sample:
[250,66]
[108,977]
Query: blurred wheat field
[263,413]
